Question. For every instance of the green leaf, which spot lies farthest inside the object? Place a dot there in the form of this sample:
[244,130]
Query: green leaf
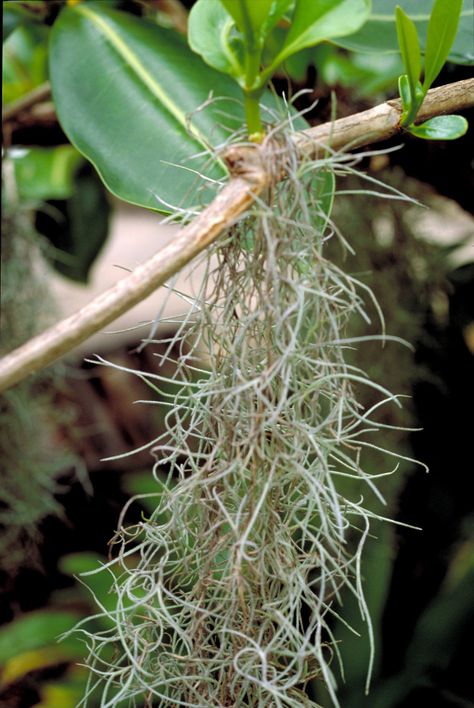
[255,17]
[411,103]
[357,71]
[442,29]
[379,33]
[409,48]
[46,173]
[248,16]
[314,22]
[209,34]
[14,15]
[76,227]
[440,128]
[123,89]
[405,94]
[33,631]
[212,31]
[25,60]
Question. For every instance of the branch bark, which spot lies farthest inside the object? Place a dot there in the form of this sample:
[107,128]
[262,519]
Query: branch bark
[248,180]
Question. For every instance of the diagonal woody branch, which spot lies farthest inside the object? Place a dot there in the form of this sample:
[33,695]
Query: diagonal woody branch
[248,180]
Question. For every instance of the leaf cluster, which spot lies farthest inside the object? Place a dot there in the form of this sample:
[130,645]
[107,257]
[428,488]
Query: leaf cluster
[442,28]
[250,40]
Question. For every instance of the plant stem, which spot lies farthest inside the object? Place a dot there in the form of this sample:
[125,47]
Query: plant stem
[251,94]
[252,116]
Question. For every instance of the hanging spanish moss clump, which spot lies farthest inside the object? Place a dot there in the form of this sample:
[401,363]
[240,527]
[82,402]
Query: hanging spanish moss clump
[226,594]
[35,460]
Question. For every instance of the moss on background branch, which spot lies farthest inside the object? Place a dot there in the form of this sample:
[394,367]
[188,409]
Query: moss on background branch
[248,180]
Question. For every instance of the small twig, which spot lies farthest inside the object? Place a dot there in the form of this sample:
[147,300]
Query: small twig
[176,12]
[38,95]
[364,128]
[382,122]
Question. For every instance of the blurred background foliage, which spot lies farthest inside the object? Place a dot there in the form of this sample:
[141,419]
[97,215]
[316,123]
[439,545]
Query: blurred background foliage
[57,518]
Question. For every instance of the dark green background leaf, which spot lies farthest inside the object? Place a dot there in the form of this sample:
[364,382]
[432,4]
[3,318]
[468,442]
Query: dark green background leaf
[76,227]
[16,14]
[37,629]
[379,33]
[24,61]
[46,173]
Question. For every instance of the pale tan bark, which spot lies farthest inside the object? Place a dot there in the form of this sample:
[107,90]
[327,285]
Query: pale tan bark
[248,180]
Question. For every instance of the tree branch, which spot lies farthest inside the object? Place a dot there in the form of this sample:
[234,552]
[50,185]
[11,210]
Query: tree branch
[248,180]
[25,103]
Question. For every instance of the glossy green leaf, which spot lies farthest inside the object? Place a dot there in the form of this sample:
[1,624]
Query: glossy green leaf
[379,33]
[441,128]
[210,35]
[76,227]
[313,22]
[442,29]
[35,630]
[409,48]
[124,89]
[46,173]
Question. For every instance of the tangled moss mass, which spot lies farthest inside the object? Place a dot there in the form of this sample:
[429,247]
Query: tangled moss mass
[226,594]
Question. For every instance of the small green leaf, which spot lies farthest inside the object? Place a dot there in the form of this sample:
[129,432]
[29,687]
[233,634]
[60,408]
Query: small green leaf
[46,173]
[409,48]
[405,95]
[76,227]
[248,16]
[442,29]
[314,22]
[440,128]
[210,35]
[257,17]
